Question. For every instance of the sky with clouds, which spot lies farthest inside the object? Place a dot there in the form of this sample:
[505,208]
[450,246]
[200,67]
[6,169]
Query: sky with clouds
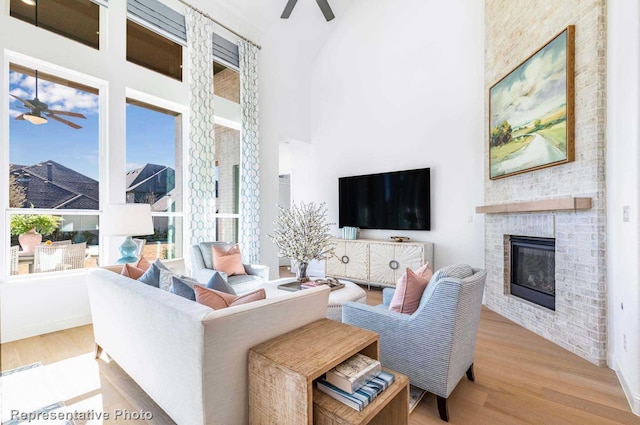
[534,89]
[150,134]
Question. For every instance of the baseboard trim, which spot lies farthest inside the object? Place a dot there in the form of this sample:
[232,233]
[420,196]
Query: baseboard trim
[632,398]
[611,362]
[44,328]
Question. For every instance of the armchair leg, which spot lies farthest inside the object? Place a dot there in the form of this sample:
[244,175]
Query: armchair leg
[470,375]
[442,408]
[98,351]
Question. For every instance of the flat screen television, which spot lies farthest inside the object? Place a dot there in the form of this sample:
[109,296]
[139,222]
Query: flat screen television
[398,200]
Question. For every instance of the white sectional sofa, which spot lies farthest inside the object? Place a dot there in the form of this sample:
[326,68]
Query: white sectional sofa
[190,359]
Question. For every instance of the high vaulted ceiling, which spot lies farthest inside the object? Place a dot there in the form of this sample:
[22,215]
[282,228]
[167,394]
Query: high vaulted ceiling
[306,26]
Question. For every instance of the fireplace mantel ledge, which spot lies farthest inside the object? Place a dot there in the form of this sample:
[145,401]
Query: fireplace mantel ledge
[568,203]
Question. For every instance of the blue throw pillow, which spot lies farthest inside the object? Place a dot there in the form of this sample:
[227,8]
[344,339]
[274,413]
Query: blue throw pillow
[152,275]
[218,283]
[183,287]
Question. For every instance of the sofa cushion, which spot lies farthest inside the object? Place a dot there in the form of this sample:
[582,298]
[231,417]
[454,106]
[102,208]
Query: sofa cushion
[131,271]
[218,283]
[409,289]
[152,275]
[218,300]
[244,283]
[228,260]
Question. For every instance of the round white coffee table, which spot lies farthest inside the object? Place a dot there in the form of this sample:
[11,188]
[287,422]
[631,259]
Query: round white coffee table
[350,292]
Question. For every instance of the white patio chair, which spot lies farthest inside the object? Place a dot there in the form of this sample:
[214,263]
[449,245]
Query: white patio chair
[65,242]
[50,258]
[13,259]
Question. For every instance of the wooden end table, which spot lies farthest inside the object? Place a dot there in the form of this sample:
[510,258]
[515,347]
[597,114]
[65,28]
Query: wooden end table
[282,371]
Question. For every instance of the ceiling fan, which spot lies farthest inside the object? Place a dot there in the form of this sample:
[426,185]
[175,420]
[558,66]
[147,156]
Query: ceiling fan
[324,6]
[38,109]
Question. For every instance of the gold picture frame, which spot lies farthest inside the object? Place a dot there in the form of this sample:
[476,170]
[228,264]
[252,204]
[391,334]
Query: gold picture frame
[531,111]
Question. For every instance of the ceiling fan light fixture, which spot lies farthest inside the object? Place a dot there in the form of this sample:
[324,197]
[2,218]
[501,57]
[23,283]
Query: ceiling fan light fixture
[29,2]
[35,119]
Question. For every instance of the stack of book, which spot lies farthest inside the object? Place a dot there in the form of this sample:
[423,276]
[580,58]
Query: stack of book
[356,382]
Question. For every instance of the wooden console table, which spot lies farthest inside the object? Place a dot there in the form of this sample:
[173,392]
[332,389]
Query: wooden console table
[282,371]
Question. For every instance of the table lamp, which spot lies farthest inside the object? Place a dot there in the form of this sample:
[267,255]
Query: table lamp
[127,220]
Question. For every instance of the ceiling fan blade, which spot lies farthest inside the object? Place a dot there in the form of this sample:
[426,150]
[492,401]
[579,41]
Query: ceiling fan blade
[20,117]
[288,9]
[326,9]
[63,121]
[24,101]
[67,113]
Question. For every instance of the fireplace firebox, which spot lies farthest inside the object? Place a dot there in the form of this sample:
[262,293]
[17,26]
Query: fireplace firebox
[533,270]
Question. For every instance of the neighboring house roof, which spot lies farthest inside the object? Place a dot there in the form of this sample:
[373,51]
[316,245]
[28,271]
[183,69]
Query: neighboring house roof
[52,185]
[152,183]
[14,167]
[132,176]
[150,177]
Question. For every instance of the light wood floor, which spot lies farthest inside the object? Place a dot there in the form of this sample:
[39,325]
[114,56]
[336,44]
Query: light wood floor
[520,379]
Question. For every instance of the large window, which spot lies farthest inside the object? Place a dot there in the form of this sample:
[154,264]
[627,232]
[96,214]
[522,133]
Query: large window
[54,169]
[226,84]
[153,51]
[154,174]
[78,20]
[227,174]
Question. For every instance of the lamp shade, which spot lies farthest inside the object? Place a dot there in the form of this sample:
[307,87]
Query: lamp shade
[127,220]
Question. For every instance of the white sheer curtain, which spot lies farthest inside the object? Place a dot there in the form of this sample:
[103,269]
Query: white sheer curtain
[201,157]
[250,153]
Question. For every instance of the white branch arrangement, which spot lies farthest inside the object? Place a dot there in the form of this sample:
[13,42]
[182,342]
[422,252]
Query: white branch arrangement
[302,232]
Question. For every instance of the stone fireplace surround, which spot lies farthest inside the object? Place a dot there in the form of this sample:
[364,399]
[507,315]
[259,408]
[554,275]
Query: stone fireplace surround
[579,322]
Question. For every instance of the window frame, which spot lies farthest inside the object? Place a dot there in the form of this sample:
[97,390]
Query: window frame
[136,96]
[145,27]
[101,86]
[235,125]
[101,18]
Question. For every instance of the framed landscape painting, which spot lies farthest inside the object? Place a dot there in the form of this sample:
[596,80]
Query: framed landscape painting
[531,111]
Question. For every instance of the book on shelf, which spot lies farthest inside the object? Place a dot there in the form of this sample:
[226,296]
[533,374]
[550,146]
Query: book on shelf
[353,373]
[360,398]
[383,380]
[354,400]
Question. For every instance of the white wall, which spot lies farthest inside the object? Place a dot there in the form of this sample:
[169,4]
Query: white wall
[623,159]
[37,306]
[399,85]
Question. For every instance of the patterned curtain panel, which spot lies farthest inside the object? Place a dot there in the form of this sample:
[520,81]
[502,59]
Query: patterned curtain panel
[249,142]
[201,183]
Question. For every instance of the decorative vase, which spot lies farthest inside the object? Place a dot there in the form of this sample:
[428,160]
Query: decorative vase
[301,274]
[29,240]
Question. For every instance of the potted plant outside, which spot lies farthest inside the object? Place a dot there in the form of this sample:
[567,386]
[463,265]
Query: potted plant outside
[31,227]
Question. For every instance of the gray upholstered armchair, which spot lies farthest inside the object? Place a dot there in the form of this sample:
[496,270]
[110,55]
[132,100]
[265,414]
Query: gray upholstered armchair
[203,268]
[433,346]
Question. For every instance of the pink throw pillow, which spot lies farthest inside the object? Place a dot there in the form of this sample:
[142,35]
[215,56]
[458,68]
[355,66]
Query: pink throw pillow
[143,263]
[132,272]
[249,297]
[218,300]
[229,261]
[409,290]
